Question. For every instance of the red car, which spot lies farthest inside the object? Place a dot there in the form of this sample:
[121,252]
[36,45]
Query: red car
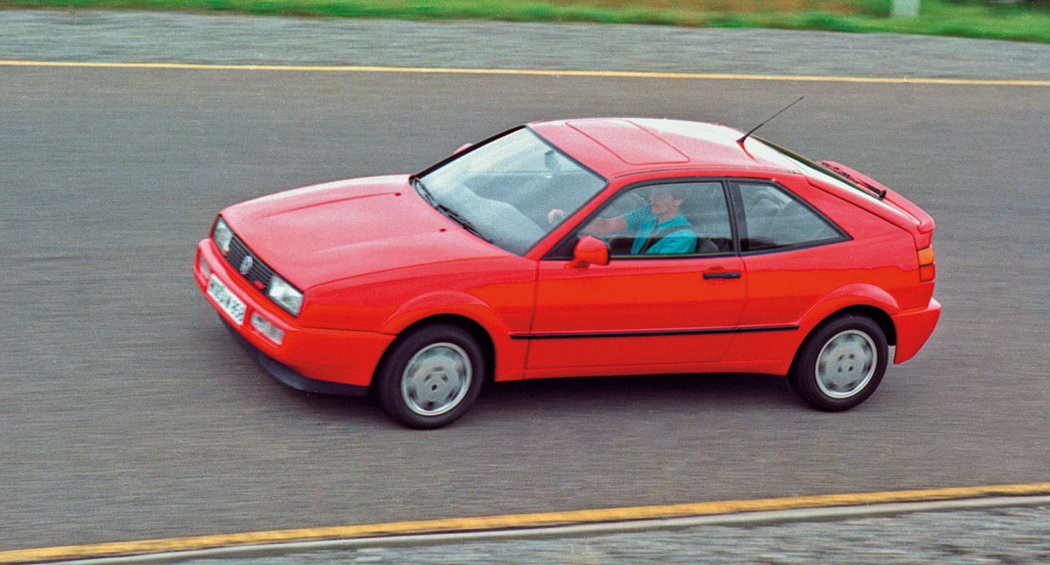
[578,248]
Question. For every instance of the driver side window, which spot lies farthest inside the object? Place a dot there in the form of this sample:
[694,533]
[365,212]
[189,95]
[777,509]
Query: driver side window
[669,219]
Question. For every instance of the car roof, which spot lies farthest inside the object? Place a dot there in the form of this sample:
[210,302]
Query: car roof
[615,147]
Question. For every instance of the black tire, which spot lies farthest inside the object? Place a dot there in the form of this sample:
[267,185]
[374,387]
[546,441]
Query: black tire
[431,376]
[841,363]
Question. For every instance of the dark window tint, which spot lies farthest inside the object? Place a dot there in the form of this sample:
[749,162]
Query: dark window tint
[773,219]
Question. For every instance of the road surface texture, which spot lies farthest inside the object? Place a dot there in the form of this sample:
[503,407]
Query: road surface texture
[128,413]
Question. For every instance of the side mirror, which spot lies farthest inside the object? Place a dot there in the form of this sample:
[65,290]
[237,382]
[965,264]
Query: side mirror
[463,148]
[589,251]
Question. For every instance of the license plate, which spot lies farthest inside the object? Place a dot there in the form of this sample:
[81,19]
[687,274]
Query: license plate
[226,300]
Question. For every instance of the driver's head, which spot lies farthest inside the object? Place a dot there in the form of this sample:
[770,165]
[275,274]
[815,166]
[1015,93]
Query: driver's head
[665,201]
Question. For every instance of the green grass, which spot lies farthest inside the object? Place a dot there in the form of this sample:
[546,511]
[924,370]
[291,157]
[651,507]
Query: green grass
[962,18]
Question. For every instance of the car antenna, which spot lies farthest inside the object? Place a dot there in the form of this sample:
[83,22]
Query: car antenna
[754,129]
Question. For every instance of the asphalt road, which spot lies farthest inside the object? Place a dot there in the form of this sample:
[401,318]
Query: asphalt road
[127,412]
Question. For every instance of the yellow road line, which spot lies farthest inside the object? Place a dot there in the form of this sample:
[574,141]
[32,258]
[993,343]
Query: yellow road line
[525,72]
[514,521]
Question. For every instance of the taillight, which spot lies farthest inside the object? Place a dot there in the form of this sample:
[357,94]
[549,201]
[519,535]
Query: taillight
[927,269]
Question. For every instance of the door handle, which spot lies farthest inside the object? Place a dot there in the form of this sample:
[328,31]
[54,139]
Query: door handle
[721,275]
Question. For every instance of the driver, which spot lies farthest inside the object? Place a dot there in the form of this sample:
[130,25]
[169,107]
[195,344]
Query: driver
[659,228]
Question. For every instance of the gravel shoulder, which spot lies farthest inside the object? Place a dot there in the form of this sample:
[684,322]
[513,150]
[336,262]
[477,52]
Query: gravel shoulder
[1008,535]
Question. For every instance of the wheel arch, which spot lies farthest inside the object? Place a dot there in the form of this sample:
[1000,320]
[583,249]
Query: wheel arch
[472,327]
[876,314]
[861,299]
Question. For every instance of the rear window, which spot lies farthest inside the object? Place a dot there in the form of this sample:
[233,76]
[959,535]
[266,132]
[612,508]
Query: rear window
[778,154]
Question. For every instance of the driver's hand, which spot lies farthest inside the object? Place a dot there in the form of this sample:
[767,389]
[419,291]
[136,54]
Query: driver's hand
[555,216]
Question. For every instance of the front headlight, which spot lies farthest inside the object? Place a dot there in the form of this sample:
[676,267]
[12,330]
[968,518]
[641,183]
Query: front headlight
[285,295]
[223,235]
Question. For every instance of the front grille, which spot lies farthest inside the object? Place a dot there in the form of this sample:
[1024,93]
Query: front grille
[260,273]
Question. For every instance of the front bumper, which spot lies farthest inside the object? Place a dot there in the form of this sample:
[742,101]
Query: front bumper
[913,329]
[289,376]
[310,359]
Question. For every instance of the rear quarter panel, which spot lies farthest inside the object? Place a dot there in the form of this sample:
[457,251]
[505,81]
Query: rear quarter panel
[877,267]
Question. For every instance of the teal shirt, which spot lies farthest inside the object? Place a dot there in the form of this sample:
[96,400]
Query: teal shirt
[644,224]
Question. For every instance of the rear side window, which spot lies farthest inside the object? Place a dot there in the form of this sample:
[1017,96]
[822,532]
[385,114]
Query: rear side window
[773,219]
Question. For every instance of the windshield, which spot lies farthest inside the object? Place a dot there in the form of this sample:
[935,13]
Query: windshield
[504,191]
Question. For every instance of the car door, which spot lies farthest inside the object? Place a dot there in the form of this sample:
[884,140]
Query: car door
[666,308]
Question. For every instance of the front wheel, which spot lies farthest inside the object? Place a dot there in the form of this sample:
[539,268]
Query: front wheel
[841,364]
[431,376]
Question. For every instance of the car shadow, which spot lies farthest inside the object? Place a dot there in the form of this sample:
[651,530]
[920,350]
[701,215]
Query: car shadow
[665,392]
[572,398]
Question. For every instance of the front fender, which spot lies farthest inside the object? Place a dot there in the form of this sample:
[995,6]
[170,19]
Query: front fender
[444,303]
[509,362]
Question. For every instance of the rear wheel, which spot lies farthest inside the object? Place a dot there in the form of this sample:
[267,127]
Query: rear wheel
[841,364]
[431,376]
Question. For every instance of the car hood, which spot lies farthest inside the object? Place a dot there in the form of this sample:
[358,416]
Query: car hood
[319,234]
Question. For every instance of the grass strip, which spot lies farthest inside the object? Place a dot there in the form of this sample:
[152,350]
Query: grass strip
[985,19]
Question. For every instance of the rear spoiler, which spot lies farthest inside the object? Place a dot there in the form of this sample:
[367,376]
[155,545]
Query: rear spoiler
[926,223]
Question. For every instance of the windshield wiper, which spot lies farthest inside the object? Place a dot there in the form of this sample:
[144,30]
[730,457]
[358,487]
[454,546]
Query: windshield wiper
[454,216]
[448,212]
[423,191]
[859,182]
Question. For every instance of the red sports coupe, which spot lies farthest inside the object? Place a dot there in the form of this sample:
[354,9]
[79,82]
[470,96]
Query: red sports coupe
[578,248]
